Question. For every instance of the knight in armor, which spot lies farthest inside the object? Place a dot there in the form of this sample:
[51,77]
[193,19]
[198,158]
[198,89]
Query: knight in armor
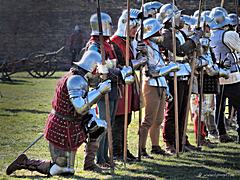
[225,43]
[185,47]
[71,120]
[154,88]
[117,75]
[118,40]
[211,73]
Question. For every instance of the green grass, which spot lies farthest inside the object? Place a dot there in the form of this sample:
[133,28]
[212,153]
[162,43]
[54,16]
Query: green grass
[23,111]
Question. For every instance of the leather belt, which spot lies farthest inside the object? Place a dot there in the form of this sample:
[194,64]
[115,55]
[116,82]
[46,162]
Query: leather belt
[65,117]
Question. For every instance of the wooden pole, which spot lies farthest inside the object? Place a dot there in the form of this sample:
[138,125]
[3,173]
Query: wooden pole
[222,3]
[191,83]
[108,118]
[236,5]
[140,93]
[126,86]
[175,84]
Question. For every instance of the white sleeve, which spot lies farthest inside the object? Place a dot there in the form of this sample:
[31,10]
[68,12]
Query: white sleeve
[232,40]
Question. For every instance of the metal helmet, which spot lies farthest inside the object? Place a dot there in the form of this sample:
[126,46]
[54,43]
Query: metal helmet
[151,26]
[203,19]
[188,20]
[219,19]
[196,13]
[106,24]
[166,13]
[151,8]
[234,18]
[220,9]
[205,13]
[122,22]
[89,60]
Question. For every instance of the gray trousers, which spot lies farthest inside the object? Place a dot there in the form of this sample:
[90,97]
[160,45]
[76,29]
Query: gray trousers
[102,153]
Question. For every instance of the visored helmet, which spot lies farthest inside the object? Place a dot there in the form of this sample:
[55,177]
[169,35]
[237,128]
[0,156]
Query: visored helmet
[151,26]
[188,20]
[220,9]
[219,19]
[89,60]
[106,24]
[167,12]
[122,22]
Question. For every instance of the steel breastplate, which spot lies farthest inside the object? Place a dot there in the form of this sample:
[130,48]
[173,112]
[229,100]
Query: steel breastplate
[154,64]
[221,50]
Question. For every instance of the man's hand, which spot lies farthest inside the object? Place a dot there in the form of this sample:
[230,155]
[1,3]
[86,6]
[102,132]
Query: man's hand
[105,87]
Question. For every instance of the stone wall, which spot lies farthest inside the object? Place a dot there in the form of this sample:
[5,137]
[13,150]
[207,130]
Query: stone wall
[43,25]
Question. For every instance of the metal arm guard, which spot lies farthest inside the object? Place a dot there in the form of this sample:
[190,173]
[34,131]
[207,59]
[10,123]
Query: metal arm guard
[127,76]
[163,71]
[81,99]
[203,61]
[214,70]
[137,63]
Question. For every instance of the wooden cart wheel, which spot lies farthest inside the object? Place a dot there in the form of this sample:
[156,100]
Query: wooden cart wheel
[53,65]
[7,71]
[38,65]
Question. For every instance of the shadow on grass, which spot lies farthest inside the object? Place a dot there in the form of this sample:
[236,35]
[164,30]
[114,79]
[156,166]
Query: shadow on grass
[33,111]
[5,115]
[54,77]
[79,177]
[179,171]
[45,177]
[15,82]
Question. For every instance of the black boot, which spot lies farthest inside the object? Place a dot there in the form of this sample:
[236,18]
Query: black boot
[157,150]
[130,156]
[144,154]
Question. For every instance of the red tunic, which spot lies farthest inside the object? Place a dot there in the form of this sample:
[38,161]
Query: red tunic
[121,43]
[109,53]
[63,133]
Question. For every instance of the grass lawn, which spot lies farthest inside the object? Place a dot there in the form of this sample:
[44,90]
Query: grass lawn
[24,107]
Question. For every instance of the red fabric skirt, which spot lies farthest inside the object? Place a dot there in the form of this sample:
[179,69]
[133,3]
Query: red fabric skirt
[67,135]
